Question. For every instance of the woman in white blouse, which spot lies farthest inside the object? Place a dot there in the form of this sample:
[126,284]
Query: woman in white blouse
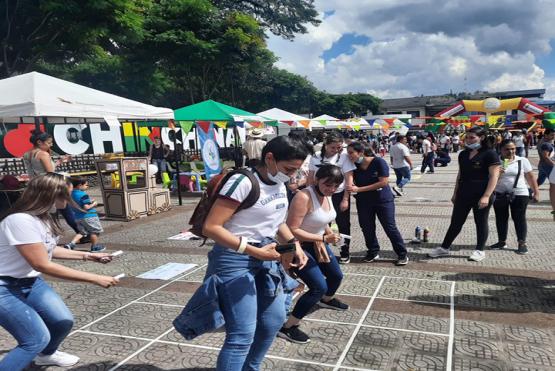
[512,194]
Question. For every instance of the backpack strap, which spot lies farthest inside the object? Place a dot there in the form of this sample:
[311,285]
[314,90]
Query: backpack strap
[254,193]
[517,174]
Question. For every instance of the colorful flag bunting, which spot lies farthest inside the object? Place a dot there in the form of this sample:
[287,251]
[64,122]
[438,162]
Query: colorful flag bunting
[186,126]
[204,125]
[221,124]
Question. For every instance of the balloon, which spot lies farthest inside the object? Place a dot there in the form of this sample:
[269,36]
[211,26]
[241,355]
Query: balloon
[152,169]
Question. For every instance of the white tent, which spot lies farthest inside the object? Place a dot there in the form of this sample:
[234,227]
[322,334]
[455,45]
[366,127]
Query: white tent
[317,122]
[283,116]
[37,95]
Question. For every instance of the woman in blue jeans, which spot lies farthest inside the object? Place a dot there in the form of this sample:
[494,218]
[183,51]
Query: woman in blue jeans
[30,310]
[251,296]
[309,216]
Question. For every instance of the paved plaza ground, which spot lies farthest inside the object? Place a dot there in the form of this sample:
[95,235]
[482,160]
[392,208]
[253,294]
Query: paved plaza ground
[443,314]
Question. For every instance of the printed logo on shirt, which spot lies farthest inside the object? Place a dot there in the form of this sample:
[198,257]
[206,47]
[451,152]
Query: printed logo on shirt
[476,165]
[280,206]
[273,197]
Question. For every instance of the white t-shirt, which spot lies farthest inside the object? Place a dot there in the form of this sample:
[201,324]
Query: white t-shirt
[519,141]
[264,217]
[21,229]
[444,140]
[341,160]
[426,146]
[507,179]
[398,153]
[455,139]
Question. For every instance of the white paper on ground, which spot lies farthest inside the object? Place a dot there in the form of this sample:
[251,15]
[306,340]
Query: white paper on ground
[166,271]
[184,236]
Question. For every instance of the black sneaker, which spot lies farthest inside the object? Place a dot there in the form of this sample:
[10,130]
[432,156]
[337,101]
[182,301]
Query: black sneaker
[369,258]
[98,248]
[84,239]
[402,261]
[522,248]
[69,246]
[333,304]
[344,256]
[294,335]
[498,246]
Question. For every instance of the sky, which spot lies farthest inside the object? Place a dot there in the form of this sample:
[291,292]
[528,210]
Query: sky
[405,48]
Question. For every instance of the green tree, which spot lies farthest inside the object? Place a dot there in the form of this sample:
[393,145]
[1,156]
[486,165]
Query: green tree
[64,31]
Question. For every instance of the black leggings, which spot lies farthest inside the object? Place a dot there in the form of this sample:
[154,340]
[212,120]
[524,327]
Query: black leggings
[462,208]
[343,218]
[518,208]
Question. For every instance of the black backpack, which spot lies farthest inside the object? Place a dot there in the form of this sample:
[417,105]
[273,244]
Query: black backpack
[210,195]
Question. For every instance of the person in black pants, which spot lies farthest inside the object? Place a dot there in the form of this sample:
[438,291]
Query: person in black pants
[476,181]
[512,194]
[374,199]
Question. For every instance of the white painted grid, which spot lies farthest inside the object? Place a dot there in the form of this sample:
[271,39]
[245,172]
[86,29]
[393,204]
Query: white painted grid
[337,366]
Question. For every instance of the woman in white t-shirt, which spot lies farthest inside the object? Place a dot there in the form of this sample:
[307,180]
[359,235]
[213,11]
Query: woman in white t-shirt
[333,153]
[511,193]
[244,259]
[30,310]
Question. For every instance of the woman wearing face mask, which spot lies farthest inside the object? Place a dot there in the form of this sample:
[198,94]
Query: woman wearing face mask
[332,153]
[309,216]
[375,199]
[511,193]
[30,310]
[243,260]
[476,181]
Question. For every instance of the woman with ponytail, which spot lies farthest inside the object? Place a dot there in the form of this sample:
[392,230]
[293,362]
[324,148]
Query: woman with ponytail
[332,153]
[474,189]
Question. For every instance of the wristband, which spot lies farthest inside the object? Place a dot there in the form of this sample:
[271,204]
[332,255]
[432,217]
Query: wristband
[242,245]
[324,237]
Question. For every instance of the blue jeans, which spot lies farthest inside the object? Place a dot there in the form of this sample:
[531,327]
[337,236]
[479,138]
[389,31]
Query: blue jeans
[428,161]
[543,173]
[160,164]
[385,212]
[321,279]
[35,315]
[403,176]
[252,302]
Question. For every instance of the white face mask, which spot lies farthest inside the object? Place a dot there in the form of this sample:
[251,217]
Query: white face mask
[359,160]
[279,177]
[473,146]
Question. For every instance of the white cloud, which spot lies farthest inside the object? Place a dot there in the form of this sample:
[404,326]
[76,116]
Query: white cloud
[425,46]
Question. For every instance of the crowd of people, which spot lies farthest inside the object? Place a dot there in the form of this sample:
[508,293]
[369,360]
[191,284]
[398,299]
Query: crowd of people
[254,268]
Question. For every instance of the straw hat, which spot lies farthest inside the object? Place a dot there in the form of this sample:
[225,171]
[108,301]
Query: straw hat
[256,133]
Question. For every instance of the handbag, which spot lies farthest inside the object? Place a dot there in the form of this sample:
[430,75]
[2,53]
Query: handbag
[510,196]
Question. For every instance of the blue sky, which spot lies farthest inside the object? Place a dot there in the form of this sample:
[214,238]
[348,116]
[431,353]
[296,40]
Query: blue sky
[345,45]
[402,48]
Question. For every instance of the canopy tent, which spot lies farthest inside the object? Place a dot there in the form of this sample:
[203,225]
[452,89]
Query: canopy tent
[210,110]
[37,95]
[322,121]
[326,117]
[288,118]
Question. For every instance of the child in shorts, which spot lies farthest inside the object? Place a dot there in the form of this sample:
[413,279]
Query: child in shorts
[87,218]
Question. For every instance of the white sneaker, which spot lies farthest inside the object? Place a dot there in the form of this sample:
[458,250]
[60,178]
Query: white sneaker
[437,252]
[59,359]
[477,256]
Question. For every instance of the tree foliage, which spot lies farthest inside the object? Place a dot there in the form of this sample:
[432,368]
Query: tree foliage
[169,52]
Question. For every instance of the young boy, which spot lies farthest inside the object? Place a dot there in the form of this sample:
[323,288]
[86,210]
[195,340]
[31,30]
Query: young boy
[87,219]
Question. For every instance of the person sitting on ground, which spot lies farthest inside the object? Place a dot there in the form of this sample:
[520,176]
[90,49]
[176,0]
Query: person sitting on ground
[309,216]
[442,158]
[86,217]
[30,310]
[511,193]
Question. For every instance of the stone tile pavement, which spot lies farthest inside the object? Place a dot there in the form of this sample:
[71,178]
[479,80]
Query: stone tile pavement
[444,314]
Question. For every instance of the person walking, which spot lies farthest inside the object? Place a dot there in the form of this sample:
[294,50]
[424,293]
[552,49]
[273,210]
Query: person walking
[520,144]
[456,140]
[332,153]
[30,310]
[546,151]
[401,163]
[511,193]
[476,181]
[309,216]
[244,261]
[374,199]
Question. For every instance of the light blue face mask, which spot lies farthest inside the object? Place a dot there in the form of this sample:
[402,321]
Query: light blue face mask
[359,160]
[473,146]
